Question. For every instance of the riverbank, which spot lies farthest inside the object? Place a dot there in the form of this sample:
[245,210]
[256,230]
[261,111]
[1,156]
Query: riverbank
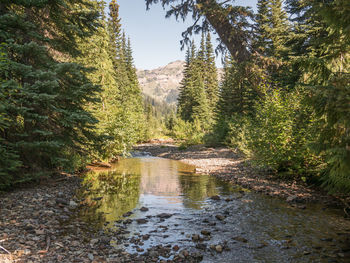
[234,168]
[40,223]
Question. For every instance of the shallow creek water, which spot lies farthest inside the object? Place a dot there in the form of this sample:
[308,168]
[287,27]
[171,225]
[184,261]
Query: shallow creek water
[249,227]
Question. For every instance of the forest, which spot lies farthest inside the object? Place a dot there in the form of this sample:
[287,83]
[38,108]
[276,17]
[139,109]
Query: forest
[70,96]
[284,101]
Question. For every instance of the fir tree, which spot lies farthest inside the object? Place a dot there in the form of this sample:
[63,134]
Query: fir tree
[45,95]
[211,75]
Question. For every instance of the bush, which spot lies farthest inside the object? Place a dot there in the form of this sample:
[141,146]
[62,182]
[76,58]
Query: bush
[190,132]
[239,131]
[281,133]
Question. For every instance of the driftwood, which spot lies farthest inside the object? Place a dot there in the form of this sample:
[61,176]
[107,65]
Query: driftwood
[101,164]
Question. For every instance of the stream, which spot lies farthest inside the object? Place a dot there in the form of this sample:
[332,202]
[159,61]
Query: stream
[161,209]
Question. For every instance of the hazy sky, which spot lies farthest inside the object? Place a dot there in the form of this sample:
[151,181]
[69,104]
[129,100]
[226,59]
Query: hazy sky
[155,39]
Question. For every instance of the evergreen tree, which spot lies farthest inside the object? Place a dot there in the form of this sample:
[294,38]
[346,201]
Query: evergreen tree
[184,101]
[211,76]
[262,39]
[45,96]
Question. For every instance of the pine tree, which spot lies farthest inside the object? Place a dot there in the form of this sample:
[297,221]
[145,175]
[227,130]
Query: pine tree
[184,101]
[262,39]
[45,94]
[211,76]
[323,60]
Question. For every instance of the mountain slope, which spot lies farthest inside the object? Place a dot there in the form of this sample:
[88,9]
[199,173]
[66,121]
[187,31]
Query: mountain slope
[163,83]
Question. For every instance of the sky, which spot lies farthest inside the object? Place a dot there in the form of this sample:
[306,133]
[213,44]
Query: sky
[155,39]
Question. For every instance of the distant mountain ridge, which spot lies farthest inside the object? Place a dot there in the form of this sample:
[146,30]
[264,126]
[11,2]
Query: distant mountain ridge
[163,83]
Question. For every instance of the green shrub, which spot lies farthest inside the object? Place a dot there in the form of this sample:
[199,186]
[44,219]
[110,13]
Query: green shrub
[190,132]
[238,136]
[281,133]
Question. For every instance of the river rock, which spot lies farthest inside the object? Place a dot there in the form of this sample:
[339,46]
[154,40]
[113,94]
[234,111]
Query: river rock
[220,217]
[195,237]
[139,249]
[91,256]
[141,221]
[176,248]
[218,248]
[144,209]
[127,214]
[215,197]
[145,237]
[72,204]
[240,239]
[205,232]
[61,201]
[164,215]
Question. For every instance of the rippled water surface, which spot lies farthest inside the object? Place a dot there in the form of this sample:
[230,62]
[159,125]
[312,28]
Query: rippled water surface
[254,228]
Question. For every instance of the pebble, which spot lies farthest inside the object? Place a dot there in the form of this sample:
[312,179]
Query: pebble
[218,248]
[220,217]
[91,256]
[240,239]
[195,237]
[205,232]
[72,204]
[176,248]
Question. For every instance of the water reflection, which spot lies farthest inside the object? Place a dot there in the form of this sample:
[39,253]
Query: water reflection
[110,193]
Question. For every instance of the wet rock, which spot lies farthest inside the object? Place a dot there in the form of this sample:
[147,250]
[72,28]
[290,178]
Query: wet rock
[61,201]
[205,232]
[127,214]
[218,248]
[139,249]
[220,217]
[127,221]
[240,239]
[201,246]
[93,241]
[176,248]
[195,237]
[90,256]
[164,215]
[72,204]
[75,243]
[144,209]
[185,253]
[215,197]
[141,221]
[145,237]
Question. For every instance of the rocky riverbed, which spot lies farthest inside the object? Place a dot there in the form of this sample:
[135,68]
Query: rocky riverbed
[171,216]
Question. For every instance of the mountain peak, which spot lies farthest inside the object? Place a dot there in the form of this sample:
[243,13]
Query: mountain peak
[162,83]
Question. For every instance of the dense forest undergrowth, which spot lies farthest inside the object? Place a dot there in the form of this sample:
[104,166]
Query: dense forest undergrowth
[69,91]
